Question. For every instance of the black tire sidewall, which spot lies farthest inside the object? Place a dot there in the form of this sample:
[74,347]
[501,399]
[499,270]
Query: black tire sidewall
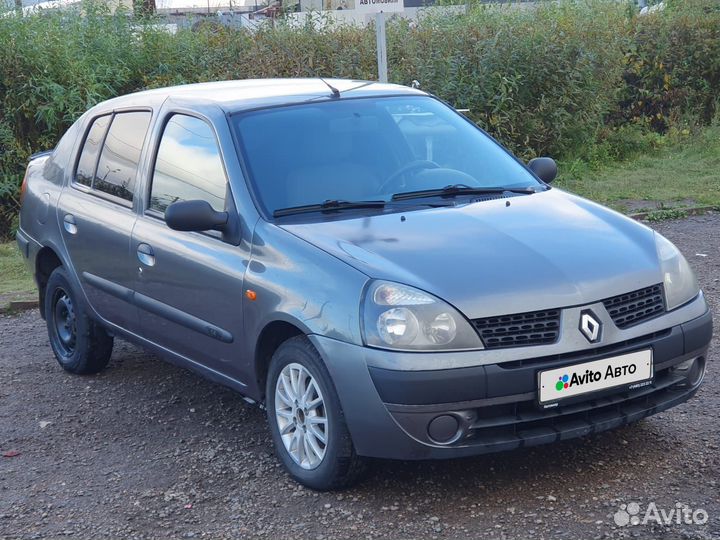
[59,280]
[324,476]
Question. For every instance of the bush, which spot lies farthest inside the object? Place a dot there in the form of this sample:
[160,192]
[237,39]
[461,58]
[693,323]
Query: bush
[673,66]
[584,79]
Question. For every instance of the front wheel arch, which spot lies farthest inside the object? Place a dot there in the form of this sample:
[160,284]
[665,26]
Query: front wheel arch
[271,337]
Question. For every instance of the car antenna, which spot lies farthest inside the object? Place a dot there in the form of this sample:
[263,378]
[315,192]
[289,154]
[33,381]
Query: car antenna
[335,91]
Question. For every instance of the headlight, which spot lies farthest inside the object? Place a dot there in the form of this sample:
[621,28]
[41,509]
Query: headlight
[678,278]
[397,316]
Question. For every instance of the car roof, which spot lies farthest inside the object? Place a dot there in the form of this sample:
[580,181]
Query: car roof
[235,96]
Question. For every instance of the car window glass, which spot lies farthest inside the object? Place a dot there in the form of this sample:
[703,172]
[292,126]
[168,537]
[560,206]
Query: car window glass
[188,165]
[368,149]
[54,169]
[434,133]
[117,169]
[90,151]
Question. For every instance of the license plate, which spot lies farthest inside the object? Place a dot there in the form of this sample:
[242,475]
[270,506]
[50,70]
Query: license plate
[625,370]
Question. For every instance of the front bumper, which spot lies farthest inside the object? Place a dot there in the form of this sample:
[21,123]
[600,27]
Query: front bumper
[400,414]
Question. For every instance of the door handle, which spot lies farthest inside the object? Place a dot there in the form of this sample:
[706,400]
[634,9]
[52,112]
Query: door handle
[69,224]
[145,254]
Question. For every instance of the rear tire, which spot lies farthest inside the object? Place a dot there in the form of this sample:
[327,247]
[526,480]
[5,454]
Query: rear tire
[81,346]
[306,415]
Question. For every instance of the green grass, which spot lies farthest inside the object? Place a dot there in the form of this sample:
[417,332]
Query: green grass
[14,275]
[681,174]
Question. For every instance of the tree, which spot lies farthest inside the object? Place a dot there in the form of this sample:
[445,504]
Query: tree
[142,8]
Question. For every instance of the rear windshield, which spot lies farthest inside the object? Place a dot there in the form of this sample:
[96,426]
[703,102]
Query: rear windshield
[367,149]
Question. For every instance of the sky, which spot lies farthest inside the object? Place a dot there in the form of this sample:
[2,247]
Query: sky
[163,4]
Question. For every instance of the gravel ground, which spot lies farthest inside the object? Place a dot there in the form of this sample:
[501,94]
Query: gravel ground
[147,450]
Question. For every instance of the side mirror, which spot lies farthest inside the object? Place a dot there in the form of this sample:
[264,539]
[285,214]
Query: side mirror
[544,167]
[195,216]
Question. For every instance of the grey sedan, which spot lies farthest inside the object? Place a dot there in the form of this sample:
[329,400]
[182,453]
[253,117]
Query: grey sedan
[362,261]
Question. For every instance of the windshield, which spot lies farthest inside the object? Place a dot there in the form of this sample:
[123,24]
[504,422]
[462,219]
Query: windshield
[368,149]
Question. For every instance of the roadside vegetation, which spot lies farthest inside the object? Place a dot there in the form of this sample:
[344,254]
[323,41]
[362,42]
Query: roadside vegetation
[680,171]
[589,82]
[16,282]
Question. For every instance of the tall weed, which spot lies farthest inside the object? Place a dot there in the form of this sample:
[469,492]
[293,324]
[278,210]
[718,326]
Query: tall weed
[586,80]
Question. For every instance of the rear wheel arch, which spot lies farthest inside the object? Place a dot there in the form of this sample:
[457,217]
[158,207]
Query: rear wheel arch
[80,345]
[45,262]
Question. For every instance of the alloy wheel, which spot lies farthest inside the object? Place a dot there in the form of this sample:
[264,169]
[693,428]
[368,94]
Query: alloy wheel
[301,416]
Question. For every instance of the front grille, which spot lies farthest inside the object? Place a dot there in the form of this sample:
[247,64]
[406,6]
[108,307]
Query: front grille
[520,329]
[635,307]
[543,327]
[587,355]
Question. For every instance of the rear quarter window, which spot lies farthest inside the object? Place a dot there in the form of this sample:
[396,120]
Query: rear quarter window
[57,163]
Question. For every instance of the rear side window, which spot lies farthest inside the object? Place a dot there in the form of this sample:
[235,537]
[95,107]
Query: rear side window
[117,169]
[89,155]
[188,165]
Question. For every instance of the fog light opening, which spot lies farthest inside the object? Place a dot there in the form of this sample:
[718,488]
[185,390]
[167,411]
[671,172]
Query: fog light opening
[445,429]
[693,370]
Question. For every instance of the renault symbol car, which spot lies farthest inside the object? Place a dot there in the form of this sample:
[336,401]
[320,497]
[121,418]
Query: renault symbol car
[362,261]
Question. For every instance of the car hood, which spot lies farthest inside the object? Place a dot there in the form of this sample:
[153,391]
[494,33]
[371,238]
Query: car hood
[525,253]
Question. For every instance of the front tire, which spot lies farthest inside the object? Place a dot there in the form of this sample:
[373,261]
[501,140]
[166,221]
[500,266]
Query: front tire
[306,420]
[81,346]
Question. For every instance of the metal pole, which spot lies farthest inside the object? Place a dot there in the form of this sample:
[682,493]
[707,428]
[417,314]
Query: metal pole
[381,47]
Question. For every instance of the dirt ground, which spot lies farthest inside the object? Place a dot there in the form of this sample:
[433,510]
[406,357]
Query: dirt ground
[147,450]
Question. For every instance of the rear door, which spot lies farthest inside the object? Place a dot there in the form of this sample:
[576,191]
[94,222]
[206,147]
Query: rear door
[97,213]
[190,285]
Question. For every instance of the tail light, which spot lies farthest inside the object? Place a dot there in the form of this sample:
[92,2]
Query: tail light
[23,187]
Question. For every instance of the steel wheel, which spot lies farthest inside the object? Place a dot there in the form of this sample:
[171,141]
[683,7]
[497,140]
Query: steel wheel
[300,415]
[64,322]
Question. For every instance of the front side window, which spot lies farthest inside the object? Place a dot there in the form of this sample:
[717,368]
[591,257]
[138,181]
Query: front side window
[117,169]
[89,155]
[188,165]
[368,149]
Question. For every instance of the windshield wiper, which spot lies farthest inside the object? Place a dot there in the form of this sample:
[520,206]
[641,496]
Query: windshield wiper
[330,205]
[459,189]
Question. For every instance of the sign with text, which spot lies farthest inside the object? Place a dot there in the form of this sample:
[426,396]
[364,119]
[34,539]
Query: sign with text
[375,6]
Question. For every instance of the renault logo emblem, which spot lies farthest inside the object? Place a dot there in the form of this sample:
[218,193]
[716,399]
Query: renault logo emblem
[590,326]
